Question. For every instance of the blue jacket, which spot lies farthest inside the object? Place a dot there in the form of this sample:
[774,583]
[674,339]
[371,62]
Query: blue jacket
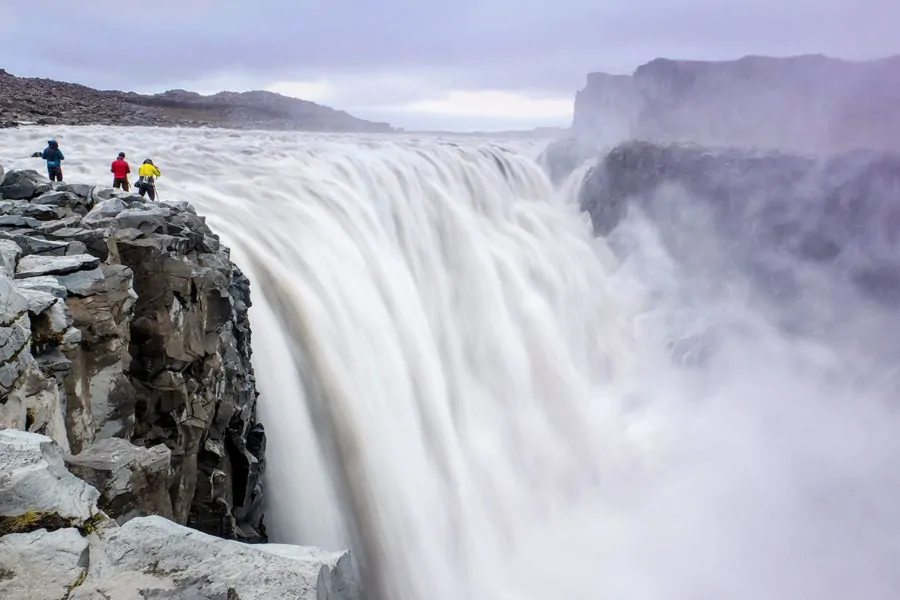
[53,156]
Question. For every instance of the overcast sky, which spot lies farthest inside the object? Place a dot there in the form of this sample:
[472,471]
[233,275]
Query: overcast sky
[459,64]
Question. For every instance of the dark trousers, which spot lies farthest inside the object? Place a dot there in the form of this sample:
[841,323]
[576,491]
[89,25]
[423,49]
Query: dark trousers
[121,183]
[147,189]
[54,173]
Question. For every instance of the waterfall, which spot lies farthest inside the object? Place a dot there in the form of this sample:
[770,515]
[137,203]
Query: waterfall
[467,388]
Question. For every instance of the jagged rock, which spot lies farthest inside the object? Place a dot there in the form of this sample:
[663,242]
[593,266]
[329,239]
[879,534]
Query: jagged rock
[84,283]
[133,481]
[55,198]
[42,565]
[181,206]
[9,254]
[46,283]
[29,210]
[57,225]
[146,221]
[22,185]
[38,301]
[34,405]
[33,245]
[33,479]
[15,333]
[95,240]
[81,190]
[35,266]
[106,209]
[18,221]
[101,396]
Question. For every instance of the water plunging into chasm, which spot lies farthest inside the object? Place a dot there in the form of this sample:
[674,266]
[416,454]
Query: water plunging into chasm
[466,387]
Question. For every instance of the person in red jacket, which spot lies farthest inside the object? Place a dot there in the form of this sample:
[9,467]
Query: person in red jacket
[120,170]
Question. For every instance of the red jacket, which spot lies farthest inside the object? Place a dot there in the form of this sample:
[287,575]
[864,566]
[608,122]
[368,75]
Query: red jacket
[120,169]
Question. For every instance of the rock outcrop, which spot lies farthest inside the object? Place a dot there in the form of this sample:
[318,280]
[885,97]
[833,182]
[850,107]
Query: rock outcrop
[816,240]
[55,543]
[799,104]
[124,338]
[48,102]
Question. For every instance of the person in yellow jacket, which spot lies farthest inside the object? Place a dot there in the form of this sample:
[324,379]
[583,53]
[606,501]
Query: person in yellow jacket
[146,183]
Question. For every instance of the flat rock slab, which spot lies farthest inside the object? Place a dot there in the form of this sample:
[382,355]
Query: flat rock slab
[33,479]
[42,564]
[33,245]
[44,283]
[150,557]
[18,221]
[35,265]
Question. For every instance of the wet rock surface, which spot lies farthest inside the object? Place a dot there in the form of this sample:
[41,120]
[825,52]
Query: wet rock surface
[124,337]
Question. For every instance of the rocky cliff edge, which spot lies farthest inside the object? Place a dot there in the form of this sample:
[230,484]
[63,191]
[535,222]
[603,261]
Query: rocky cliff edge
[124,338]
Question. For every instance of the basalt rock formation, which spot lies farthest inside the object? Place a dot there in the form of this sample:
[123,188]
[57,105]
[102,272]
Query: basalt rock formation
[124,338]
[797,104]
[49,102]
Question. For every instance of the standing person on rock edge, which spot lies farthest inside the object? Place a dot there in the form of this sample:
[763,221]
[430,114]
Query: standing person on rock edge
[146,184]
[120,170]
[54,157]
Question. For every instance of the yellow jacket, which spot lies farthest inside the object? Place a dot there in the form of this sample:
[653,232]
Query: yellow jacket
[149,171]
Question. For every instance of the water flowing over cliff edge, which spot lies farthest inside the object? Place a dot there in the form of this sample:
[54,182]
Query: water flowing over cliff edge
[509,407]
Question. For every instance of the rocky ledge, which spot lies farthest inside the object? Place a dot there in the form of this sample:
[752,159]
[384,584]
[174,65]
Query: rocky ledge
[124,338]
[56,543]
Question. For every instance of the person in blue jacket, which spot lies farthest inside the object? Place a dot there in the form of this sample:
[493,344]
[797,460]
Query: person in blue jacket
[54,157]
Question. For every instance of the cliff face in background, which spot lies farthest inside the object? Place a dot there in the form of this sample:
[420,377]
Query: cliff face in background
[124,338]
[49,102]
[803,104]
[809,236]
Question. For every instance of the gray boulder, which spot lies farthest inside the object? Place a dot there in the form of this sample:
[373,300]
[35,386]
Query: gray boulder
[106,209]
[133,480]
[23,185]
[34,483]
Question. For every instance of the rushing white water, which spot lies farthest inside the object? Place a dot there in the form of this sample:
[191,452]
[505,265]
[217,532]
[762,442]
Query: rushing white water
[496,403]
